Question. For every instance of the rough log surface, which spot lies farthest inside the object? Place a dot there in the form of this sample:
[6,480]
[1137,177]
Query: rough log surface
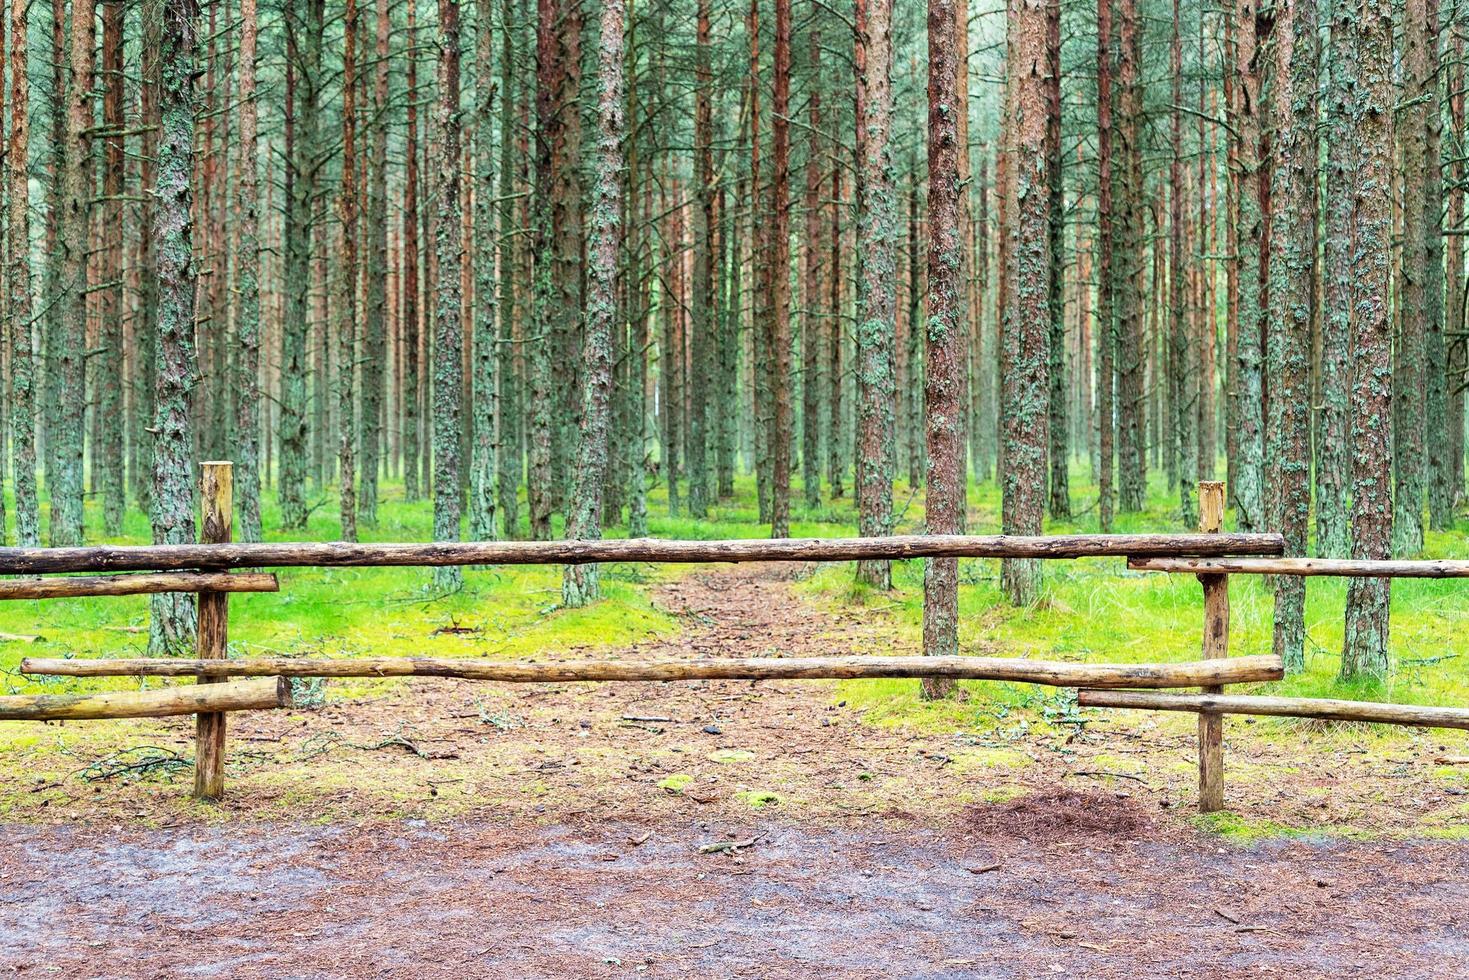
[145,584]
[1341,567]
[117,558]
[267,692]
[1242,704]
[1236,670]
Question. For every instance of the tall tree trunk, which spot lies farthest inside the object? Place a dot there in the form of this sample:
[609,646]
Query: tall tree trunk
[836,442]
[1059,498]
[448,383]
[1293,251]
[346,287]
[549,295]
[1024,346]
[1364,653]
[1435,362]
[703,306]
[579,584]
[877,298]
[107,455]
[483,466]
[1458,346]
[511,454]
[303,42]
[1106,313]
[1339,289]
[375,318]
[1183,387]
[1129,196]
[945,336]
[813,380]
[18,281]
[1248,469]
[247,284]
[780,297]
[412,311]
[174,619]
[1409,369]
[66,483]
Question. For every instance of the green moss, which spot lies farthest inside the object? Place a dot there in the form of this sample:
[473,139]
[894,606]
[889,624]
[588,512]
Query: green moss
[731,755]
[676,783]
[759,798]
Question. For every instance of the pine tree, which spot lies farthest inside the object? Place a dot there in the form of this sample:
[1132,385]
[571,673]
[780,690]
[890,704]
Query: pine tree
[1364,653]
[876,298]
[580,585]
[1292,292]
[945,340]
[174,619]
[248,285]
[448,384]
[18,282]
[1025,328]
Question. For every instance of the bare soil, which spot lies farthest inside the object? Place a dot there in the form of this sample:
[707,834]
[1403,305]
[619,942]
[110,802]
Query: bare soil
[439,829]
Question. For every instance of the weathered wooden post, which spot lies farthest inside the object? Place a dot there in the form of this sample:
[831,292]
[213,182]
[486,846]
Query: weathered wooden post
[1216,644]
[217,506]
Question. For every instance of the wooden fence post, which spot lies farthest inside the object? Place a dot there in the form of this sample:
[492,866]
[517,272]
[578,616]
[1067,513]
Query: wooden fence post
[1216,644]
[217,506]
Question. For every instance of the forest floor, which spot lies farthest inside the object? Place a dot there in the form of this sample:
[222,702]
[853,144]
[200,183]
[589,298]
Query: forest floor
[443,828]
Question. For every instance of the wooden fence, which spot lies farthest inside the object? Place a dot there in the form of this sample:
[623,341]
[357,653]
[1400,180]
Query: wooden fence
[204,569]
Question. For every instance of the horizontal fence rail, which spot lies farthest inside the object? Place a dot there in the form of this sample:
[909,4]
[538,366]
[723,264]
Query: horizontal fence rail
[1235,670]
[322,554]
[251,695]
[1337,567]
[140,584]
[1328,709]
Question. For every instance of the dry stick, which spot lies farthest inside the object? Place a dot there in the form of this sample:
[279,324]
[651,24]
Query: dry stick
[1237,670]
[261,693]
[1244,704]
[1342,567]
[1216,647]
[217,505]
[113,585]
[104,558]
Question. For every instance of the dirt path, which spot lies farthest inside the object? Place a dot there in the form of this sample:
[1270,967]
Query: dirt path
[461,830]
[1088,893]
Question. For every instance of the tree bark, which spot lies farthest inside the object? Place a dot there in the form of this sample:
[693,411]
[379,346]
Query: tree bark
[1248,468]
[484,468]
[346,286]
[1364,653]
[1059,496]
[18,282]
[247,286]
[877,299]
[1339,288]
[1410,351]
[1024,342]
[448,295]
[1293,252]
[1106,313]
[579,585]
[174,619]
[375,313]
[304,26]
[945,336]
